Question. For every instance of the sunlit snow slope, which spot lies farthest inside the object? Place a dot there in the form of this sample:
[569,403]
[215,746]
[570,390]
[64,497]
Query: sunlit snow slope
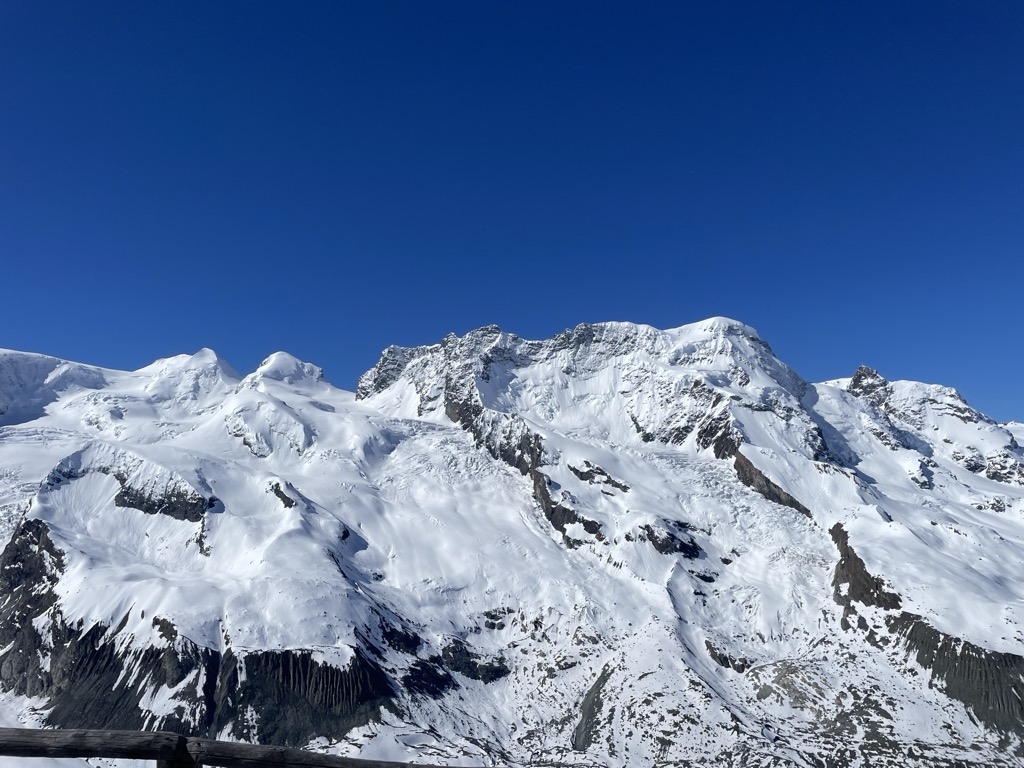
[620,546]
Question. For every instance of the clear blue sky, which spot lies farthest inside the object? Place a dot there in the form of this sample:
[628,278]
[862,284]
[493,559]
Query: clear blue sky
[330,178]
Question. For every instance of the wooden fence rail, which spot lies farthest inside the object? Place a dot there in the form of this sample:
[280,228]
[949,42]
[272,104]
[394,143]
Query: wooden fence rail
[169,750]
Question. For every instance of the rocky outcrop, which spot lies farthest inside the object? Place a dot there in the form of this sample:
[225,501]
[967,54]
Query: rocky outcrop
[717,432]
[428,677]
[851,581]
[593,474]
[723,659]
[144,485]
[295,697]
[590,709]
[754,478]
[96,677]
[458,658]
[507,438]
[559,515]
[990,684]
[30,567]
[675,541]
[433,676]
[386,372]
[176,503]
[869,384]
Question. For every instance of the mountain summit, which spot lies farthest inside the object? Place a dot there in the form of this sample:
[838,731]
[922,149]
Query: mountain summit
[618,546]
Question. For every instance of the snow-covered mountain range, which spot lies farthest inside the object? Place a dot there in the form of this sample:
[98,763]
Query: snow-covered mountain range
[620,546]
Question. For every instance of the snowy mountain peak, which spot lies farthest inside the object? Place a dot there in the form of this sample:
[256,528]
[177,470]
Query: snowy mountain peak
[206,357]
[718,344]
[913,402]
[721,326]
[203,360]
[287,368]
[192,382]
[632,383]
[869,383]
[615,337]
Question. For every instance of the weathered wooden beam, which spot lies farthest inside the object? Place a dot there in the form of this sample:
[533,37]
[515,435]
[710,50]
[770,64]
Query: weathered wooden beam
[128,745]
[169,750]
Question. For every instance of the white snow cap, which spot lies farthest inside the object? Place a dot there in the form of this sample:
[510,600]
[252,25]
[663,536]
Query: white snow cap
[722,325]
[282,366]
[204,359]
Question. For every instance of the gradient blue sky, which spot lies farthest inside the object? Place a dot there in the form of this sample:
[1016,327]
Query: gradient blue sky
[330,178]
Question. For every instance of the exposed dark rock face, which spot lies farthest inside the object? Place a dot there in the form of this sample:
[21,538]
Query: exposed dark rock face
[862,587]
[90,681]
[495,618]
[669,542]
[723,659]
[30,567]
[83,681]
[586,729]
[560,516]
[433,676]
[990,684]
[594,475]
[924,478]
[961,410]
[716,432]
[458,658]
[1004,468]
[285,499]
[508,439]
[869,384]
[307,699]
[88,687]
[172,499]
[402,640]
[388,370]
[646,435]
[752,477]
[428,678]
[175,503]
[706,414]
[970,460]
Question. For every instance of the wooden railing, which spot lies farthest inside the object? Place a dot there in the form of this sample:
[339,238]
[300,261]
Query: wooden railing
[169,750]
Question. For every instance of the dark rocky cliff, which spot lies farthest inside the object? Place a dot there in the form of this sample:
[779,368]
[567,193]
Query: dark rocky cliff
[91,678]
[989,683]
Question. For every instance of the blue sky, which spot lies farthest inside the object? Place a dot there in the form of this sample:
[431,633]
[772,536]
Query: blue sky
[330,178]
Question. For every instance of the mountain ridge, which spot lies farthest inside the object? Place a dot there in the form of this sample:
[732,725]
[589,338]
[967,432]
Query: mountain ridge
[492,532]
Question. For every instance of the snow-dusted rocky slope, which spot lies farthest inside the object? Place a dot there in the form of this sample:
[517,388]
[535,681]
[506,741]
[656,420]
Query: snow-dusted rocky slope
[619,546]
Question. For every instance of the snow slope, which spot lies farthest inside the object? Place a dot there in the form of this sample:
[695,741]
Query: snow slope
[618,546]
